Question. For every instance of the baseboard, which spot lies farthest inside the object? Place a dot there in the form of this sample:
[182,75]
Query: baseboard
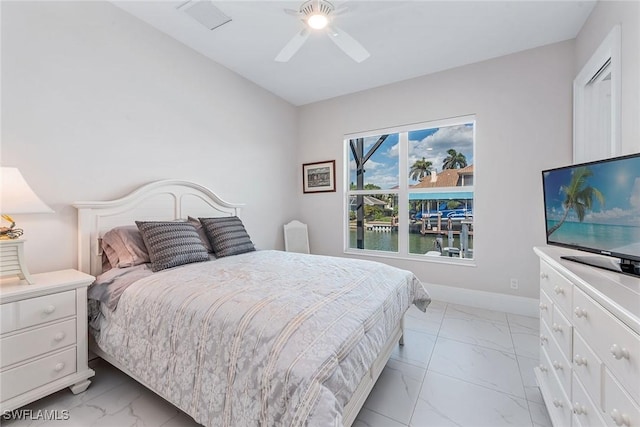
[482,299]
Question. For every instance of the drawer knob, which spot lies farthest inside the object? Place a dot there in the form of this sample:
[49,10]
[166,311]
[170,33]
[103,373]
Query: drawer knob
[557,365]
[580,312]
[578,409]
[544,275]
[543,306]
[556,328]
[543,338]
[579,360]
[50,309]
[59,367]
[619,352]
[59,336]
[542,368]
[557,403]
[558,290]
[619,418]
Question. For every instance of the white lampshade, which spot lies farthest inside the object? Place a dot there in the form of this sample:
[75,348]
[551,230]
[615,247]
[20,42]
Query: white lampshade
[17,196]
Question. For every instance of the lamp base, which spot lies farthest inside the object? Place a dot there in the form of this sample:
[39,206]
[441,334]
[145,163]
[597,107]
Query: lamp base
[12,260]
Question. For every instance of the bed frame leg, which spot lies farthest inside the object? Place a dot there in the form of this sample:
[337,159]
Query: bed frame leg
[401,341]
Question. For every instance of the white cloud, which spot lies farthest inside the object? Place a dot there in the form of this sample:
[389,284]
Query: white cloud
[434,147]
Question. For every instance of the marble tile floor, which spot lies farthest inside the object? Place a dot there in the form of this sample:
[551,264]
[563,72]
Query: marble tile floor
[460,366]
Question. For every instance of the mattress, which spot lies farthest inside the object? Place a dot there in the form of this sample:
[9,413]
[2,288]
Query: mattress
[264,338]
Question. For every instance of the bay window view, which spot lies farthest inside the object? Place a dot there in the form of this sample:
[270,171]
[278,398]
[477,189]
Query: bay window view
[411,190]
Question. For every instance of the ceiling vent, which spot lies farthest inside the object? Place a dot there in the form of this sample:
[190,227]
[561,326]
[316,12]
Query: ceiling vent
[205,13]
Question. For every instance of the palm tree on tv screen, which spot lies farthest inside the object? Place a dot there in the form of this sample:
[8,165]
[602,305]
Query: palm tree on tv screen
[578,196]
[454,160]
[420,169]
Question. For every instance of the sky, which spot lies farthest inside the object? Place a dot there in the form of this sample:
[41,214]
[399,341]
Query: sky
[619,183]
[432,144]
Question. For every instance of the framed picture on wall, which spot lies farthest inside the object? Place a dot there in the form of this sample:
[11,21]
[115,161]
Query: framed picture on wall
[319,177]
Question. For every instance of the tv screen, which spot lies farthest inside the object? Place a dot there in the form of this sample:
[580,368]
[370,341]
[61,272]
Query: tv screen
[595,207]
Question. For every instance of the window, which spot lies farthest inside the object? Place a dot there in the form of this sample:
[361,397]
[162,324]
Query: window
[410,190]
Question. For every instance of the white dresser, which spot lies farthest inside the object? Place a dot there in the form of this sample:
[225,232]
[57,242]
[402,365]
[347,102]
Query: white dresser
[43,337]
[589,372]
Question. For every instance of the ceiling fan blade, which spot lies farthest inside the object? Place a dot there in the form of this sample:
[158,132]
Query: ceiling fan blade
[292,12]
[348,44]
[292,46]
[341,10]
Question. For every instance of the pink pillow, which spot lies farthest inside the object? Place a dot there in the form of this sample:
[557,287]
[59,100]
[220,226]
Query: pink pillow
[124,247]
[203,236]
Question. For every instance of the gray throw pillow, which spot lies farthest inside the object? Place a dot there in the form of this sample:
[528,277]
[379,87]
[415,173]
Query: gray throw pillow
[227,236]
[171,243]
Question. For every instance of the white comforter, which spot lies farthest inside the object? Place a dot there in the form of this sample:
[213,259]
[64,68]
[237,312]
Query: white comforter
[266,338]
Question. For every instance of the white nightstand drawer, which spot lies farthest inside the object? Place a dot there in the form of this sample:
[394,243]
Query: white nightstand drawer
[39,341]
[617,346]
[32,375]
[34,311]
[588,367]
[619,408]
[557,287]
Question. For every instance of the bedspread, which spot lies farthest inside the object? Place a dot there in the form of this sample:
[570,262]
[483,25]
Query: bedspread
[265,338]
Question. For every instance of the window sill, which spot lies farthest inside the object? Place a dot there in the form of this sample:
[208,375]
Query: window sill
[413,257]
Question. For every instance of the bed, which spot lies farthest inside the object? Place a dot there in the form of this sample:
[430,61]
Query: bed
[262,337]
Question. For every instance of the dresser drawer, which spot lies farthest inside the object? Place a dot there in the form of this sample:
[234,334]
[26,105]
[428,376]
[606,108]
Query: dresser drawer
[619,408]
[546,307]
[23,346]
[560,365]
[588,367]
[545,370]
[617,346]
[585,411]
[39,372]
[557,402]
[557,287]
[562,332]
[34,311]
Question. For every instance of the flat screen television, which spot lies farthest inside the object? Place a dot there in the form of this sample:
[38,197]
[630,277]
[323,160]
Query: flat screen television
[595,207]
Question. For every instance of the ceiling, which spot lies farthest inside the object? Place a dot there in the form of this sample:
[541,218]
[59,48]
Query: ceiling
[405,39]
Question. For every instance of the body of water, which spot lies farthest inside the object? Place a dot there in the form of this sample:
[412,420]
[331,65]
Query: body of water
[388,241]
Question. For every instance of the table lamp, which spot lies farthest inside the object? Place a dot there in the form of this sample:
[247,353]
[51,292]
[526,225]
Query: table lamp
[16,197]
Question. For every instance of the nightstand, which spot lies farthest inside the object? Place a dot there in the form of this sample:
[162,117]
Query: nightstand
[43,337]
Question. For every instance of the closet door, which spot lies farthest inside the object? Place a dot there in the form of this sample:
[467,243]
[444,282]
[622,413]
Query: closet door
[596,103]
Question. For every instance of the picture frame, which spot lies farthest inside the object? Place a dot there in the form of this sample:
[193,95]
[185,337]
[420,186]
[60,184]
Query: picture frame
[319,177]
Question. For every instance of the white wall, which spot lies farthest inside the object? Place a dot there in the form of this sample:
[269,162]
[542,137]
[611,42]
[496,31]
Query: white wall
[96,103]
[523,108]
[603,18]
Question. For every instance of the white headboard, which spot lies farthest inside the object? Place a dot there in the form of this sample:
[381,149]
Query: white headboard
[158,201]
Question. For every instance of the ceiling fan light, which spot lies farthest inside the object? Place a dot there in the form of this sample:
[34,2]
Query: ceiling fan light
[317,21]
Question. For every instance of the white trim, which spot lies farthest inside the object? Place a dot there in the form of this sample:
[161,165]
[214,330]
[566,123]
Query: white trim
[609,49]
[403,191]
[482,299]
[449,121]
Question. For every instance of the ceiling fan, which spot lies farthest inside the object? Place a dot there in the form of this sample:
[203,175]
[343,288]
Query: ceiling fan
[318,15]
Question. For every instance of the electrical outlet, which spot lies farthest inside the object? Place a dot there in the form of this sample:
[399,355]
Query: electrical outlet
[514,283]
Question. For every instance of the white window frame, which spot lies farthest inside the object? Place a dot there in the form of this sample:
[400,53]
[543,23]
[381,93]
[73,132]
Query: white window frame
[403,190]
